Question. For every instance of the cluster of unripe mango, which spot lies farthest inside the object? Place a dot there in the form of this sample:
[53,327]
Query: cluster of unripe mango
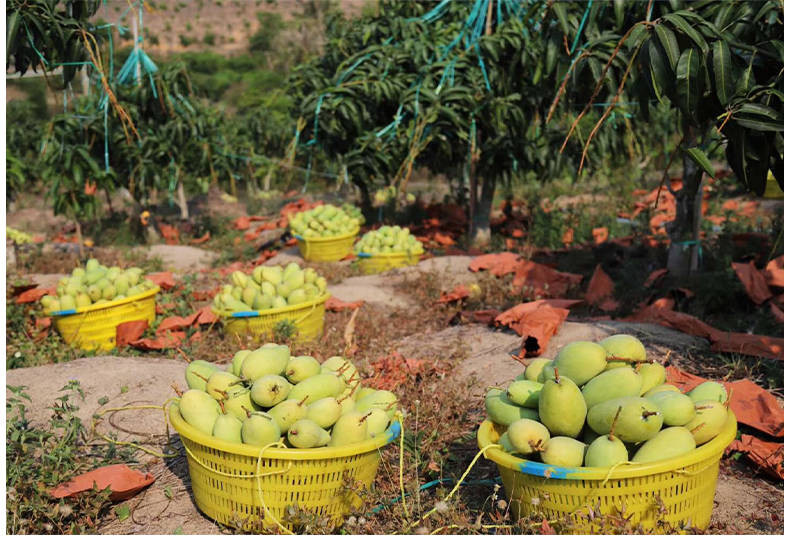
[324,221]
[270,287]
[388,240]
[603,404]
[267,394]
[95,284]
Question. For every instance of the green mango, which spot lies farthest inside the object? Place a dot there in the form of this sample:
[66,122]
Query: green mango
[301,368]
[248,295]
[239,403]
[547,373]
[268,289]
[108,292]
[709,390]
[316,387]
[197,373]
[310,275]
[533,370]
[82,300]
[227,427]
[287,412]
[588,435]
[269,390]
[199,410]
[283,290]
[502,411]
[238,359]
[262,302]
[605,451]
[279,302]
[563,452]
[311,291]
[67,302]
[260,429]
[350,428]
[78,272]
[619,382]
[271,274]
[668,443]
[320,283]
[305,433]
[561,407]
[378,421]
[364,392]
[383,399]
[581,361]
[709,420]
[341,367]
[660,388]
[625,347]
[94,292]
[266,360]
[325,412]
[221,384]
[524,393]
[122,285]
[239,279]
[527,436]
[297,297]
[653,374]
[678,409]
[639,420]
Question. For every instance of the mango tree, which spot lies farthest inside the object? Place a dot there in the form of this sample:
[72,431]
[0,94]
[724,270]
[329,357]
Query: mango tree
[720,65]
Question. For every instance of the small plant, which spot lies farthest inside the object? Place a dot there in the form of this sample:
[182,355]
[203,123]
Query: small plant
[185,40]
[210,38]
[284,330]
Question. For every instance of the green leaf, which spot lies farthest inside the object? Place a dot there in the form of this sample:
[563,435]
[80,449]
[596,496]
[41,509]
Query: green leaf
[661,75]
[122,512]
[103,400]
[670,44]
[168,492]
[688,82]
[696,154]
[562,15]
[722,71]
[619,12]
[683,26]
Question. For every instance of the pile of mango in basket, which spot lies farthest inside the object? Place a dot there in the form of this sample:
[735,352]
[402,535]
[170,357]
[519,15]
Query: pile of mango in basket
[593,406]
[388,240]
[95,284]
[266,394]
[270,287]
[324,221]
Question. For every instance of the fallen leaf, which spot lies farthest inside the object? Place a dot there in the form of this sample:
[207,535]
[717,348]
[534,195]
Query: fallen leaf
[205,316]
[567,237]
[170,233]
[536,322]
[175,323]
[497,264]
[654,276]
[171,340]
[334,304]
[600,235]
[444,240]
[544,280]
[122,481]
[33,295]
[241,223]
[485,317]
[163,279]
[774,272]
[129,332]
[43,323]
[600,291]
[459,292]
[89,188]
[754,282]
[518,233]
[202,239]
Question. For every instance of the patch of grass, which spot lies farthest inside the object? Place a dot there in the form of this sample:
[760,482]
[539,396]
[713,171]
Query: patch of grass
[41,458]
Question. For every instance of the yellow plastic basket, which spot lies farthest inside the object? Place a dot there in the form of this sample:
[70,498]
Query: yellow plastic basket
[326,249]
[308,318]
[243,485]
[370,264]
[684,486]
[93,327]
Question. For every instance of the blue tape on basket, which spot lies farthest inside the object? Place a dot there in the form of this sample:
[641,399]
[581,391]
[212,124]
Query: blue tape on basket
[393,431]
[546,471]
[64,312]
[244,314]
[364,255]
[299,237]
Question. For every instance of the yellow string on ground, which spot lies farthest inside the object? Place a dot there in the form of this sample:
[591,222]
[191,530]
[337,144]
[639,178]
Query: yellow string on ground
[402,488]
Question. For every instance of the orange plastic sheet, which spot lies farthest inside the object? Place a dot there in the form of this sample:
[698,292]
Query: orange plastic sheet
[334,304]
[122,481]
[769,456]
[600,291]
[129,332]
[754,282]
[170,233]
[721,341]
[499,264]
[202,239]
[164,279]
[600,235]
[544,280]
[536,322]
[34,294]
[459,292]
[654,276]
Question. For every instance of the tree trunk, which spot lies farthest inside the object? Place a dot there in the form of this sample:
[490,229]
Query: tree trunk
[182,201]
[481,219]
[685,247]
[367,207]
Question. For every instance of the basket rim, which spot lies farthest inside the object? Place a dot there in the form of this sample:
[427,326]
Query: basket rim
[272,312]
[709,449]
[326,239]
[387,255]
[107,305]
[185,430]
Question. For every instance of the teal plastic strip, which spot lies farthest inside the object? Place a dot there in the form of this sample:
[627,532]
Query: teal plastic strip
[64,312]
[245,314]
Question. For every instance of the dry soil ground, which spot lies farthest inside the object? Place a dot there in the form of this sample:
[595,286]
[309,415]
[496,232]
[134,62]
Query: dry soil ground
[744,503]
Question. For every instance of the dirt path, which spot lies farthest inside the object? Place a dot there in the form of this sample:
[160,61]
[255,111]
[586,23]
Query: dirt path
[743,502]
